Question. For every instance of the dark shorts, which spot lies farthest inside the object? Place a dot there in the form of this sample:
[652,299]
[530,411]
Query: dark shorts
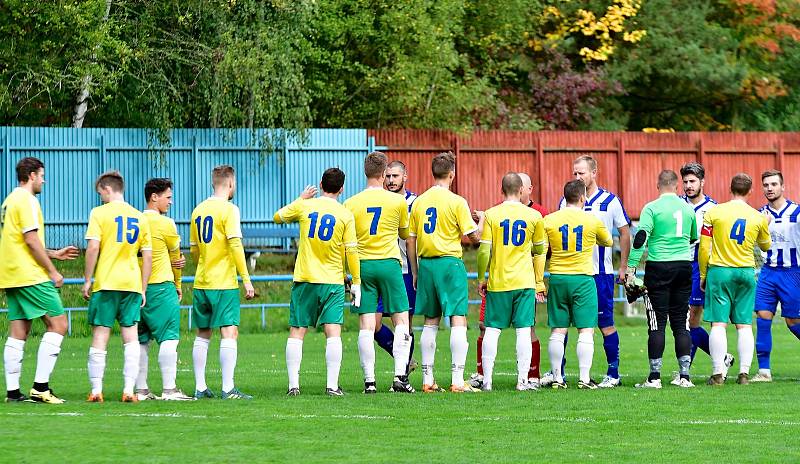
[605,299]
[779,285]
[698,297]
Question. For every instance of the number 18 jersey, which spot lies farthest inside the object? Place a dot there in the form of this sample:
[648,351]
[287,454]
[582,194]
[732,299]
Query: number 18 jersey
[214,222]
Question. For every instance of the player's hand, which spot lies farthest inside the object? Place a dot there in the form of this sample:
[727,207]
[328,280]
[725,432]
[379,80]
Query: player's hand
[767,215]
[622,274]
[180,262]
[67,253]
[477,215]
[482,288]
[249,291]
[703,284]
[540,297]
[87,289]
[56,278]
[309,192]
[630,276]
[355,291]
[144,300]
[180,293]
[414,281]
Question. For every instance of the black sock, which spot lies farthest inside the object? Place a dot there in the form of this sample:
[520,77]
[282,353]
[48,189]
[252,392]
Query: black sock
[685,376]
[14,394]
[654,376]
[41,386]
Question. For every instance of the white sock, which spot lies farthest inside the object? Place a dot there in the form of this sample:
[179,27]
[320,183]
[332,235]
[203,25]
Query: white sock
[555,350]
[199,355]
[585,353]
[294,355]
[746,347]
[228,353]
[49,349]
[168,362]
[401,349]
[489,354]
[524,353]
[130,368]
[366,353]
[97,367]
[144,364]
[718,346]
[428,347]
[458,349]
[12,360]
[333,360]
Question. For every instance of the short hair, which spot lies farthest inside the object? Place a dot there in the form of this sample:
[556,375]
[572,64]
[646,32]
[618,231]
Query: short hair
[741,184]
[443,164]
[589,160]
[770,173]
[375,165]
[397,164]
[332,180]
[512,182]
[695,169]
[222,173]
[111,179]
[157,185]
[667,177]
[573,190]
[27,166]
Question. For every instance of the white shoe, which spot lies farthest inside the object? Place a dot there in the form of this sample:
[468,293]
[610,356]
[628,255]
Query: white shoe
[527,386]
[650,384]
[762,376]
[729,360]
[487,387]
[176,395]
[475,381]
[684,383]
[535,383]
[609,382]
[146,395]
[676,379]
[547,379]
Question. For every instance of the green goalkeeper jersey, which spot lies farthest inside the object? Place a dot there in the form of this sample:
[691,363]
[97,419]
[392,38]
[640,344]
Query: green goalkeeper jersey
[669,226]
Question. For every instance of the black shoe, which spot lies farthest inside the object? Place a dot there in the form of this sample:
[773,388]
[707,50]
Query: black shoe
[332,392]
[590,385]
[401,385]
[716,380]
[370,388]
[293,392]
[558,385]
[19,399]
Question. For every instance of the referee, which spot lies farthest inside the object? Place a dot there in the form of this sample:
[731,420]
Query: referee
[667,227]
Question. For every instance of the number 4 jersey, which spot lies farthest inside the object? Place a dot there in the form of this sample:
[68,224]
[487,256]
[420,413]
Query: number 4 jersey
[572,234]
[734,229]
[122,232]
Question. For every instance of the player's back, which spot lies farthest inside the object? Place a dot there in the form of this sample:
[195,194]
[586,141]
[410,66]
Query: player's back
[439,218]
[572,235]
[165,238]
[123,232]
[20,213]
[735,229]
[512,228]
[214,222]
[785,233]
[378,215]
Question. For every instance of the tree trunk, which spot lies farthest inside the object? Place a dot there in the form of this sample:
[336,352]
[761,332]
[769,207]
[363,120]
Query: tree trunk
[82,103]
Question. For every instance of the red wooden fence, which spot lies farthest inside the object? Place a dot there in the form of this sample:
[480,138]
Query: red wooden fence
[628,162]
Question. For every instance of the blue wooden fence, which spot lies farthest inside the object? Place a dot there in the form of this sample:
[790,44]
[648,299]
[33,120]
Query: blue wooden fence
[266,179]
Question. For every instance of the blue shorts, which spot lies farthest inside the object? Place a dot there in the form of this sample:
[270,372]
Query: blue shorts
[779,285]
[408,279]
[698,297]
[605,299]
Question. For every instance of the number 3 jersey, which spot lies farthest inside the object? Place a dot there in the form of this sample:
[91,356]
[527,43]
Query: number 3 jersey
[215,223]
[734,228]
[327,229]
[785,232]
[572,234]
[123,232]
[439,218]
[380,218]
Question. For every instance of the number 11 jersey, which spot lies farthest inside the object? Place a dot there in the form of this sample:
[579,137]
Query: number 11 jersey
[572,234]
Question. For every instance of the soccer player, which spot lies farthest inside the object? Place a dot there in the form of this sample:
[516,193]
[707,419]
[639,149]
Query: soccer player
[439,218]
[572,294]
[216,246]
[117,233]
[667,228]
[511,233]
[727,244]
[780,276]
[30,281]
[381,218]
[608,208]
[396,178]
[161,316]
[327,239]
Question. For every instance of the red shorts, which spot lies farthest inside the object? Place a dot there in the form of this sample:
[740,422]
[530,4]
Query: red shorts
[483,309]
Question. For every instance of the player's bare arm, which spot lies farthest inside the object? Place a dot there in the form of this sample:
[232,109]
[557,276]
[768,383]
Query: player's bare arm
[92,252]
[42,257]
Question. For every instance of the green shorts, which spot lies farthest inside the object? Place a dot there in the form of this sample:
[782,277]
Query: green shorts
[571,300]
[33,302]
[215,308]
[106,306]
[161,315]
[315,304]
[384,278]
[442,287]
[517,307]
[730,295]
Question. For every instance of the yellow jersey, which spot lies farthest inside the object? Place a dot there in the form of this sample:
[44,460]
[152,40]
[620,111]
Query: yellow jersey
[20,213]
[327,232]
[731,230]
[216,232]
[166,247]
[439,218]
[381,217]
[123,232]
[572,234]
[512,229]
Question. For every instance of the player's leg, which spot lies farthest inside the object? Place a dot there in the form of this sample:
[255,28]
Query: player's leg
[201,318]
[226,314]
[145,335]
[331,317]
[411,294]
[534,371]
[366,350]
[657,280]
[476,379]
[303,312]
[395,303]
[523,319]
[402,353]
[499,308]
[371,271]
[558,319]
[102,314]
[605,322]
[18,330]
[766,304]
[428,306]
[129,313]
[679,297]
[718,313]
[167,333]
[294,357]
[697,299]
[742,315]
[585,316]
[452,291]
[383,334]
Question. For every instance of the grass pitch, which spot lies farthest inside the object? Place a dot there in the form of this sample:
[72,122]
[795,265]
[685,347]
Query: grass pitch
[741,423]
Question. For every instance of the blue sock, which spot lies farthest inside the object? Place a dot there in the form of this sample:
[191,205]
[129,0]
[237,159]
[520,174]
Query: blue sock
[763,342]
[699,340]
[795,329]
[385,338]
[611,347]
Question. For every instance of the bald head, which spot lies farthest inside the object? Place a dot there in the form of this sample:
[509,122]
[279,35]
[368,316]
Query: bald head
[511,185]
[527,188]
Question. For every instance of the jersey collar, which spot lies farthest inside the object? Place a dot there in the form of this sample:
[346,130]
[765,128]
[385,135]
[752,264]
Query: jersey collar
[600,191]
[779,213]
[151,211]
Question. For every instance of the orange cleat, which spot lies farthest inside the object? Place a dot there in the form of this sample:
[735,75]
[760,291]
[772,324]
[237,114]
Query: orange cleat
[126,398]
[466,388]
[95,398]
[435,388]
